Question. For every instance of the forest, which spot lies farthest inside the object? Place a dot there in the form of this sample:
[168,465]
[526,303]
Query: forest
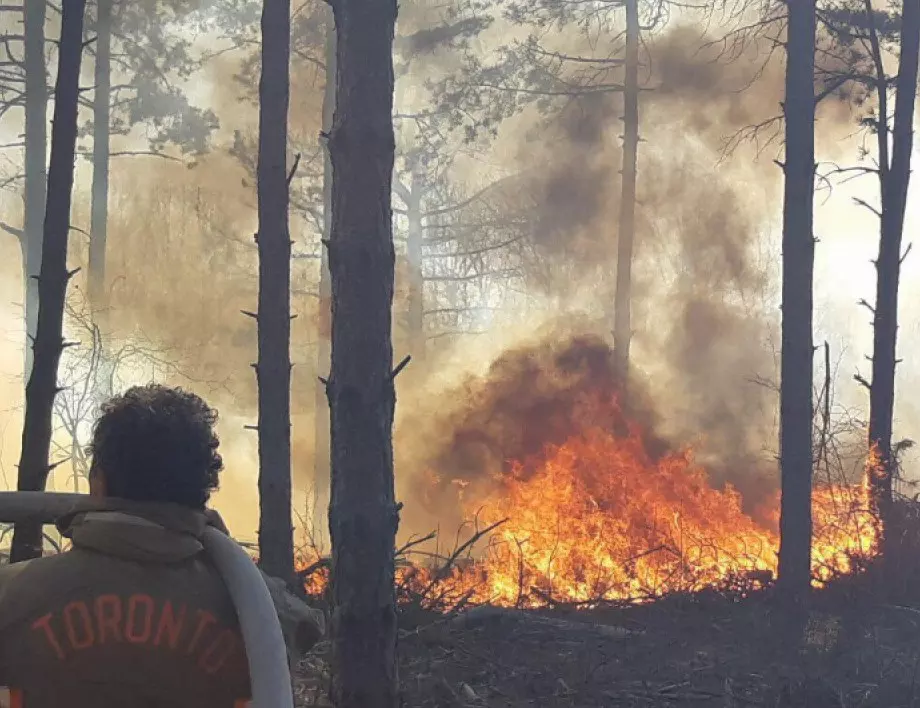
[563,349]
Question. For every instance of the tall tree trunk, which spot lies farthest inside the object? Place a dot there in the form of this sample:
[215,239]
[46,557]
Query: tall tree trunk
[622,325]
[36,156]
[414,249]
[798,273]
[273,370]
[363,515]
[53,278]
[99,213]
[894,181]
[321,465]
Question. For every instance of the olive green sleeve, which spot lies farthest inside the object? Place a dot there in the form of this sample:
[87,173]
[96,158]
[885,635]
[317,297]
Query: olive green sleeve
[8,574]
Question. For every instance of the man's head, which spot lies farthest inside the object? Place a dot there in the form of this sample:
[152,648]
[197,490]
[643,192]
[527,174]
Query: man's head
[156,444]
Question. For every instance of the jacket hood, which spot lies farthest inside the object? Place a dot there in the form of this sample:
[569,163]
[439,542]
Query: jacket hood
[147,533]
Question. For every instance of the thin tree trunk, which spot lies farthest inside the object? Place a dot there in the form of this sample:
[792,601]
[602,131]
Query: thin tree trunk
[894,181]
[36,155]
[53,278]
[363,516]
[414,245]
[273,370]
[321,465]
[796,405]
[622,325]
[99,212]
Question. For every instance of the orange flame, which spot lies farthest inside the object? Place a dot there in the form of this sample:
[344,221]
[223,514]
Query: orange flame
[599,519]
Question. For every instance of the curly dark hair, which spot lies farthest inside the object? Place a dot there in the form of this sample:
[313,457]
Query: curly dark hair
[157,444]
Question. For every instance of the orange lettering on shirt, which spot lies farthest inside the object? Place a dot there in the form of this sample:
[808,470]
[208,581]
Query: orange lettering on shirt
[217,654]
[44,623]
[77,622]
[205,619]
[170,625]
[140,619]
[108,617]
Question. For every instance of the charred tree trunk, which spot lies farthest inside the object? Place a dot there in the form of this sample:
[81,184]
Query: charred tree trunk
[414,248]
[99,214]
[273,369]
[894,176]
[36,155]
[53,278]
[622,324]
[363,515]
[321,465]
[798,273]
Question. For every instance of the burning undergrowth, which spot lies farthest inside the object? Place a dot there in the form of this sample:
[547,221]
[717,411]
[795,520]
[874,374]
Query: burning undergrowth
[584,503]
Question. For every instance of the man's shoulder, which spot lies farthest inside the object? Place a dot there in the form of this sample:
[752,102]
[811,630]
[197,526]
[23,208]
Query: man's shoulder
[18,578]
[17,590]
[9,572]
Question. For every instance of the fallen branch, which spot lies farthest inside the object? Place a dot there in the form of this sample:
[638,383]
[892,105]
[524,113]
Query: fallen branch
[444,571]
[413,542]
[321,564]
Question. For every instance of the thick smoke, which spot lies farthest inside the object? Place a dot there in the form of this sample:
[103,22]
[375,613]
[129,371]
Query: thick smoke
[704,290]
[703,294]
[535,395]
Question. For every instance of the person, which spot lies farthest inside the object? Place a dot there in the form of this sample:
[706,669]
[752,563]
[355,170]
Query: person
[134,614]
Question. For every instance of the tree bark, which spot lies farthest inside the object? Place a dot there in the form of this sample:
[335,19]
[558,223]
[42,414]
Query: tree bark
[414,248]
[796,405]
[363,515]
[53,278]
[99,211]
[622,325]
[321,464]
[894,179]
[36,177]
[273,369]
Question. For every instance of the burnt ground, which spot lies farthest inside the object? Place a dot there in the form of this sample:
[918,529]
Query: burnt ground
[704,650]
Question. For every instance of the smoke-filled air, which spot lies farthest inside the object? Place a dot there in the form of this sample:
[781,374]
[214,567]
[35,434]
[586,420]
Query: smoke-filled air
[638,273]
